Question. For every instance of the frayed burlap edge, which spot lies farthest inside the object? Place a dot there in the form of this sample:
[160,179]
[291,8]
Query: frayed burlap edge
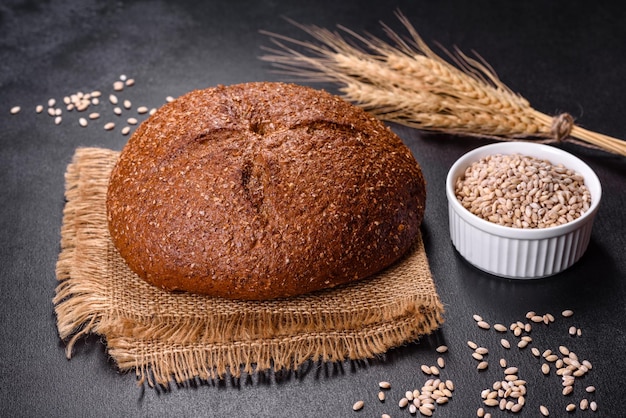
[162,362]
[80,300]
[164,345]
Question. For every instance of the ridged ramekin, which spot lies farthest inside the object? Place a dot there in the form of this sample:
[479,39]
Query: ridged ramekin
[514,252]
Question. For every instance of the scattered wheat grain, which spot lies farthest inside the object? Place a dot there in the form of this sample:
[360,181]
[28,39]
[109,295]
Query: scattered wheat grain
[358,405]
[584,404]
[491,402]
[483,325]
[425,411]
[511,370]
[499,328]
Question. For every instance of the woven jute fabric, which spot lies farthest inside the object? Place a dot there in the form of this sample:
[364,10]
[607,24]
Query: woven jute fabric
[180,337]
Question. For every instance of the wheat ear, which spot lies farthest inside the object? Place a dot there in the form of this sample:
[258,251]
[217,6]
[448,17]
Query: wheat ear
[406,82]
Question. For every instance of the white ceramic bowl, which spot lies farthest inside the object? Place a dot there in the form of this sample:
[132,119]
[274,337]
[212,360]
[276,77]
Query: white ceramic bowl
[514,252]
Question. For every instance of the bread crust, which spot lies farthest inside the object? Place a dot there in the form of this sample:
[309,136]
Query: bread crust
[262,190]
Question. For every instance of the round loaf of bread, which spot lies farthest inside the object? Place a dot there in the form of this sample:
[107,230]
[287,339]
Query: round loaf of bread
[262,190]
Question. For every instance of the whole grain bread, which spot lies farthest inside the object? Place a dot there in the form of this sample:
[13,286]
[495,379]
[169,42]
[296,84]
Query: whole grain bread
[263,190]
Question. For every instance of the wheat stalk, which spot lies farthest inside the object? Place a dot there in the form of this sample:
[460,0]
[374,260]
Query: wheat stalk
[406,82]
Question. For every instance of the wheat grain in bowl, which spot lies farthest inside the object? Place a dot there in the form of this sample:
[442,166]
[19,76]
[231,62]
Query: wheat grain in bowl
[522,191]
[524,226]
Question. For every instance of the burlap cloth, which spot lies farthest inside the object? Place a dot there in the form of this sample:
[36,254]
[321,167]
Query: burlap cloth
[182,337]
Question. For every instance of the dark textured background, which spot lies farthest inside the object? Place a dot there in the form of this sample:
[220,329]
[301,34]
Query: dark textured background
[561,55]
